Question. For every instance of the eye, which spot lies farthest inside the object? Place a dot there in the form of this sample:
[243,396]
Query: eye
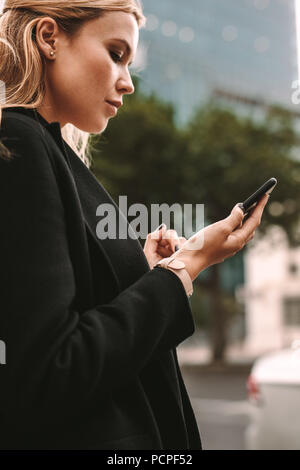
[115,57]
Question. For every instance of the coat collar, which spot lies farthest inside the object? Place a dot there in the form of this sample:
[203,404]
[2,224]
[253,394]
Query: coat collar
[53,127]
[33,113]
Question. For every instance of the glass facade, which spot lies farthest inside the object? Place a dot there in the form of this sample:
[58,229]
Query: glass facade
[191,48]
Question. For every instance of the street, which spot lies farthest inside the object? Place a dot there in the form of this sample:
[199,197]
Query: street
[219,399]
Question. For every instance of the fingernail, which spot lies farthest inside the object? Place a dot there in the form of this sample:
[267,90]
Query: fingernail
[241,206]
[160,227]
[176,247]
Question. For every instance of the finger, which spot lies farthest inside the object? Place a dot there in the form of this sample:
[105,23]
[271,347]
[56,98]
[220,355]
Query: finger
[153,239]
[158,233]
[235,218]
[164,252]
[255,217]
[243,235]
[172,238]
[163,242]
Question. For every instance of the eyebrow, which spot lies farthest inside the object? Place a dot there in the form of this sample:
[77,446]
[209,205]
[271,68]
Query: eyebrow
[128,48]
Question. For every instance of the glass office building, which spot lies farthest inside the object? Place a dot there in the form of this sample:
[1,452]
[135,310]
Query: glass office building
[191,48]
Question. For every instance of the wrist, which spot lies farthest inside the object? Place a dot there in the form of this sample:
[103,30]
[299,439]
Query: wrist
[193,260]
[177,267]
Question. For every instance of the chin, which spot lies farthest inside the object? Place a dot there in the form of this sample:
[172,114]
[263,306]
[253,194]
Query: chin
[95,127]
[100,125]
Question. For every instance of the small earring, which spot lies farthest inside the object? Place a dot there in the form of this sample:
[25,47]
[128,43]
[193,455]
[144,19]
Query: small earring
[52,53]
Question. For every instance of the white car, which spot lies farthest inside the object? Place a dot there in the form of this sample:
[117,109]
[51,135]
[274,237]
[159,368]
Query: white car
[274,394]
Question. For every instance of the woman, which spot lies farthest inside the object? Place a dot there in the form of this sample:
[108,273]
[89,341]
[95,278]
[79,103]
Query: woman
[90,328]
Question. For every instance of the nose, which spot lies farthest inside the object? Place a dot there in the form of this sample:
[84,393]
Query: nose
[125,84]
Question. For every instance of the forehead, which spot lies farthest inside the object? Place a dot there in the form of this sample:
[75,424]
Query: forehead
[115,24]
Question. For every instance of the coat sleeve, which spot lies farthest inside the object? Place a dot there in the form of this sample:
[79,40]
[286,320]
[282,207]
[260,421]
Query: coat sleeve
[58,360]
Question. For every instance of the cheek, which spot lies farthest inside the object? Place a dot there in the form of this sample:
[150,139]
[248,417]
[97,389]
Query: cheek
[94,65]
[102,75]
[85,76]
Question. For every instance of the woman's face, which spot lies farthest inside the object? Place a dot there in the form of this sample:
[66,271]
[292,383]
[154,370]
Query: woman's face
[88,70]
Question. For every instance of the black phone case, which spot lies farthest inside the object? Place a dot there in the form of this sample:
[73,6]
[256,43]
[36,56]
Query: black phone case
[252,200]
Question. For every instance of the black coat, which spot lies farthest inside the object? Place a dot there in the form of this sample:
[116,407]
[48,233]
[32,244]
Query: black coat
[90,330]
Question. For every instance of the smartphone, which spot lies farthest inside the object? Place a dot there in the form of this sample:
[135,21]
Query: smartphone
[252,200]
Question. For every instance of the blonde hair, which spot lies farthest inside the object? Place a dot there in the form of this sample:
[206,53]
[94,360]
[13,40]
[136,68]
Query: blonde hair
[22,66]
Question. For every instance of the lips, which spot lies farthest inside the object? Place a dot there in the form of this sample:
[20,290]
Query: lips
[117,104]
[111,108]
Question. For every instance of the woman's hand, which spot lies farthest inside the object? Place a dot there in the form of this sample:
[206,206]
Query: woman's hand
[161,244]
[219,241]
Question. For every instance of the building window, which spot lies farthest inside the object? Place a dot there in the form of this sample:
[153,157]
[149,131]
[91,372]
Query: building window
[291,311]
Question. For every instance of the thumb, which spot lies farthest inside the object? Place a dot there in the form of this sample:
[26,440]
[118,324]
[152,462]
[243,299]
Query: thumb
[235,218]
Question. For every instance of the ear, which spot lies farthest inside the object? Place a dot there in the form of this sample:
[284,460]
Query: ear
[47,37]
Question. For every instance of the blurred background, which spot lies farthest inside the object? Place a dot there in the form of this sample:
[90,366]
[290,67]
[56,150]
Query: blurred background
[214,115]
